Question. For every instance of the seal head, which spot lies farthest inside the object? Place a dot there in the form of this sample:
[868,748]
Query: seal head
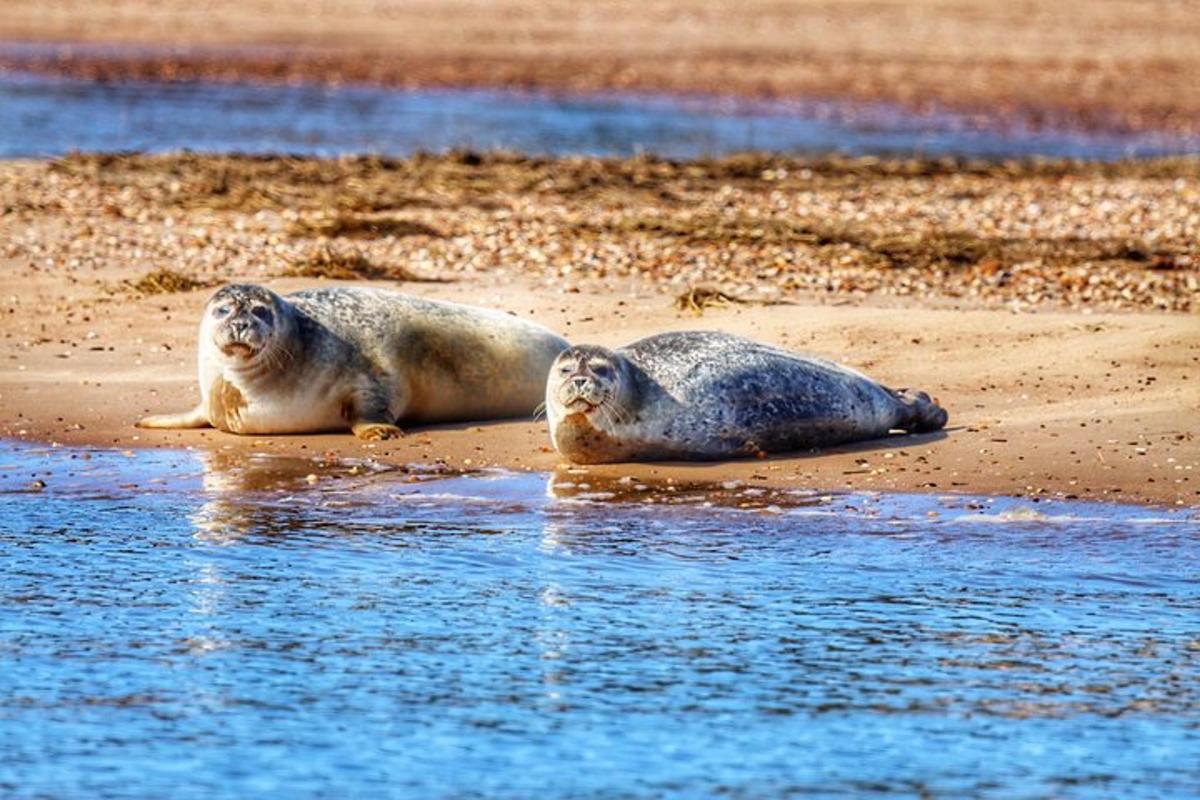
[592,394]
[588,380]
[245,324]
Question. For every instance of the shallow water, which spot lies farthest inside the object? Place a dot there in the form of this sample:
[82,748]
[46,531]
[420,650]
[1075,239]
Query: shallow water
[184,624]
[45,116]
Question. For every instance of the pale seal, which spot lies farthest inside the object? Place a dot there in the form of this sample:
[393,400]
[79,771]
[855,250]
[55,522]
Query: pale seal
[706,395]
[363,359]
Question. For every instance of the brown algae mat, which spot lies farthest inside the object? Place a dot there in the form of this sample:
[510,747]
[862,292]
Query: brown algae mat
[1101,236]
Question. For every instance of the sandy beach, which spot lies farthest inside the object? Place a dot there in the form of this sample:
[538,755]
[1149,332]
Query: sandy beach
[1068,364]
[1131,65]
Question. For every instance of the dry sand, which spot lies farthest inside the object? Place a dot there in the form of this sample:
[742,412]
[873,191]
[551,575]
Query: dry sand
[1132,63]
[1051,393]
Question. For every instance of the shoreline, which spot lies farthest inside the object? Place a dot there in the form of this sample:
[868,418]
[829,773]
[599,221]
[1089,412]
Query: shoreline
[659,483]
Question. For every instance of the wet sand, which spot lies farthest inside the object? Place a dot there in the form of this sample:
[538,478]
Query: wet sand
[1132,65]
[1086,390]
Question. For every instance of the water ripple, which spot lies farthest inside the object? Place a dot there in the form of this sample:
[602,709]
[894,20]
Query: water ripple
[228,633]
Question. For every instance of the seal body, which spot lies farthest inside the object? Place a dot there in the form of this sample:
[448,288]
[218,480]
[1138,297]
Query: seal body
[706,395]
[364,359]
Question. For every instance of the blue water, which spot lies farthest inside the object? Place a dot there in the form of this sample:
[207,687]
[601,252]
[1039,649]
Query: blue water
[189,625]
[46,116]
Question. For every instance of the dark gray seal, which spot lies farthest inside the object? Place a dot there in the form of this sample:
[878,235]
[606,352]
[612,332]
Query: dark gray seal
[363,359]
[705,395]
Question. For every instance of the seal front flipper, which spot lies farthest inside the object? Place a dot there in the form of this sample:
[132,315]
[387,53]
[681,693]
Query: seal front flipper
[195,418]
[369,416]
[374,431]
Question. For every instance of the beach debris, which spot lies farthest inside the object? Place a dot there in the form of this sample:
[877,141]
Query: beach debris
[344,224]
[970,234]
[698,298]
[167,281]
[335,262]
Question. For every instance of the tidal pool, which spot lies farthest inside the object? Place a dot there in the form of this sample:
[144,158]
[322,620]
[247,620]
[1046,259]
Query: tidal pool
[187,624]
[45,116]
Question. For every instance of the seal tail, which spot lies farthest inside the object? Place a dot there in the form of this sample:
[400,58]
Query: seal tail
[922,413]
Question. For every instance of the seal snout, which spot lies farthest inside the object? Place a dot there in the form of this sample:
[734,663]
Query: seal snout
[579,389]
[238,337]
[238,348]
[241,338]
[580,392]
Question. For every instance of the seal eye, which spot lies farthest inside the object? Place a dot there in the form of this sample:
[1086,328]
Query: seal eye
[602,370]
[566,369]
[262,312]
[220,312]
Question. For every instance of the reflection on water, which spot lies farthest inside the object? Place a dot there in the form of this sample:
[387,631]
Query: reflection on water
[44,116]
[261,627]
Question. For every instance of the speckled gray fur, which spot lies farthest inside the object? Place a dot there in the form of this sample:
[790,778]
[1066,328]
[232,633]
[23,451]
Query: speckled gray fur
[708,395]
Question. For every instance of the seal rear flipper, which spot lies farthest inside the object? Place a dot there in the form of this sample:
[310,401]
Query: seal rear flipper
[922,414]
[195,418]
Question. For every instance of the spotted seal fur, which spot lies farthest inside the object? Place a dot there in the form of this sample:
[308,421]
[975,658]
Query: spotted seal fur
[364,359]
[706,395]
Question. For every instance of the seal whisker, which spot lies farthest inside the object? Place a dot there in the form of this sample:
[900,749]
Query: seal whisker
[617,415]
[623,415]
[281,358]
[272,361]
[606,410]
[602,412]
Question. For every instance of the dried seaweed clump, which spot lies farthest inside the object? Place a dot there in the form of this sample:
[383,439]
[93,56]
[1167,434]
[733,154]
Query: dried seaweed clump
[698,298]
[167,281]
[349,264]
[361,227]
